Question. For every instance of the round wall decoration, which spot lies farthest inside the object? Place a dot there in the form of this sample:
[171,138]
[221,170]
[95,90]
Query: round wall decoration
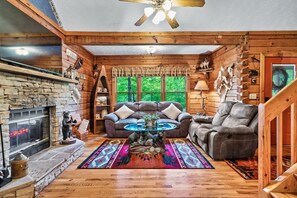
[279,78]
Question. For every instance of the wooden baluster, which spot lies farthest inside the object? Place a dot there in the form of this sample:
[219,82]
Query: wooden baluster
[279,145]
[264,151]
[293,133]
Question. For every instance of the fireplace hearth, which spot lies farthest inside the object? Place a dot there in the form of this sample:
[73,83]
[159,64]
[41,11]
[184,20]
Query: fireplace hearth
[29,131]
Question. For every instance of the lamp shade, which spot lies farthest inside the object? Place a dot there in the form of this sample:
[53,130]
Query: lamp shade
[201,85]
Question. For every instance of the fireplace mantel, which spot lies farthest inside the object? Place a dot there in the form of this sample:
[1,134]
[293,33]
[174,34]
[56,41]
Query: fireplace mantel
[18,70]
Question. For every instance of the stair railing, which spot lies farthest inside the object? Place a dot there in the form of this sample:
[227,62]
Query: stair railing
[272,109]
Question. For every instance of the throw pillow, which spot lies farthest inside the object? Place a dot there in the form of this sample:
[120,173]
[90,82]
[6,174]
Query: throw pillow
[171,112]
[124,112]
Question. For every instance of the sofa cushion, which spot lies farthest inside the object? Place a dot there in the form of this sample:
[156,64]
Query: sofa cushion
[148,106]
[124,112]
[240,114]
[121,123]
[172,111]
[202,134]
[222,112]
[164,120]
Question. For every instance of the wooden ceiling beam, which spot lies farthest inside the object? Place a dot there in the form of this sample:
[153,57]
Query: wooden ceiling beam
[143,38]
[29,39]
[171,38]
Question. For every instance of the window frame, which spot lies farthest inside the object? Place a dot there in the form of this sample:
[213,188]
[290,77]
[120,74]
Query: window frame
[163,89]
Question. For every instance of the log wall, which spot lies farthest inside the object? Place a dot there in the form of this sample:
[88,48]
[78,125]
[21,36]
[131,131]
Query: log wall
[155,60]
[271,46]
[86,71]
[223,57]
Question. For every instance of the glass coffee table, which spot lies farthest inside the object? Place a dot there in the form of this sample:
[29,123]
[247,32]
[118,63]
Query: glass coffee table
[148,141]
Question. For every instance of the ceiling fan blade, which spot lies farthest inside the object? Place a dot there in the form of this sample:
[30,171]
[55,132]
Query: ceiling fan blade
[188,3]
[172,22]
[141,20]
[137,1]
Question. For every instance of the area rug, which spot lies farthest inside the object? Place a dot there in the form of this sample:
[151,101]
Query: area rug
[179,154]
[248,168]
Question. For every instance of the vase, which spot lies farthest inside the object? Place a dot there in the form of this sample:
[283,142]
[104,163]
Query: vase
[149,124]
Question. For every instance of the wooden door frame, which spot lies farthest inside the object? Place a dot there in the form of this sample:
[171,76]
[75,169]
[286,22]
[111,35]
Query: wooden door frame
[262,77]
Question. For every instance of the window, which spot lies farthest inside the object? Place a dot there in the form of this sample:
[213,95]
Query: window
[151,89]
[176,89]
[126,89]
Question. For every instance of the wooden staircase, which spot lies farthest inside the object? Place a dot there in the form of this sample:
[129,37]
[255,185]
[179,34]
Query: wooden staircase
[286,183]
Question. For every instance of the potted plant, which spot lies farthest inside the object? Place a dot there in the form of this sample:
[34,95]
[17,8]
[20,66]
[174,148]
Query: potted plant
[150,120]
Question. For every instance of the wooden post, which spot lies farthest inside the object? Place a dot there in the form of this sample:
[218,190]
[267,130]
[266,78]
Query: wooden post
[139,89]
[163,88]
[262,77]
[188,93]
[264,151]
[113,92]
[294,133]
[279,145]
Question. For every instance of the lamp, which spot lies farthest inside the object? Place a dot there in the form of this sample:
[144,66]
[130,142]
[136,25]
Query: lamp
[202,86]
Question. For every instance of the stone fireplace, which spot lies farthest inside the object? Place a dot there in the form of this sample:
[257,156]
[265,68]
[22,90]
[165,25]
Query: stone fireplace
[31,110]
[29,130]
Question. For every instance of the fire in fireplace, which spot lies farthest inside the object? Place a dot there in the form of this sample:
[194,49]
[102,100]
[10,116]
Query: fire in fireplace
[29,130]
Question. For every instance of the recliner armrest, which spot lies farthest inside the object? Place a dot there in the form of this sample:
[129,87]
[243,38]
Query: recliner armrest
[111,116]
[233,130]
[203,119]
[184,116]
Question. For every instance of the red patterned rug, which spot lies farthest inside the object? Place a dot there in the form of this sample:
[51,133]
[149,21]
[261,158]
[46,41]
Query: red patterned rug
[179,153]
[248,168]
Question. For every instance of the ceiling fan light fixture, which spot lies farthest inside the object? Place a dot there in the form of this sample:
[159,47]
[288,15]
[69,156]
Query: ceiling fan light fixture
[151,50]
[155,20]
[167,5]
[149,11]
[160,16]
[171,14]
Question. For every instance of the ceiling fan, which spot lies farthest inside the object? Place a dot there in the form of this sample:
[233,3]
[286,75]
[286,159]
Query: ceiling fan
[163,11]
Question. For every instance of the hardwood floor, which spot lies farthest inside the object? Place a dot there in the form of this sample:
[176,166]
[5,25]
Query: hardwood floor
[219,182]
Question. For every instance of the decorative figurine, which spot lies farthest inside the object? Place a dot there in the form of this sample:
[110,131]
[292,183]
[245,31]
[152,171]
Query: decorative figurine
[67,123]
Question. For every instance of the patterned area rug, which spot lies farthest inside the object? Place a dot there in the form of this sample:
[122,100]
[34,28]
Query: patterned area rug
[180,153]
[248,168]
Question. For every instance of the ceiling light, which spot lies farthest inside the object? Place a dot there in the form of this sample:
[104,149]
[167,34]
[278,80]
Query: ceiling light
[167,5]
[151,50]
[22,51]
[155,20]
[160,16]
[149,11]
[171,14]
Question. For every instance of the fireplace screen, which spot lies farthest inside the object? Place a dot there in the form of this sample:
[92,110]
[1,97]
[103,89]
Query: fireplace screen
[29,130]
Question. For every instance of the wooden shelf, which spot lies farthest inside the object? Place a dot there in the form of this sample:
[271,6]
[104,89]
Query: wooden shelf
[18,70]
[101,81]
[205,72]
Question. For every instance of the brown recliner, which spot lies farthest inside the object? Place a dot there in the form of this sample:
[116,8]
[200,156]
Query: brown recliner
[231,134]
